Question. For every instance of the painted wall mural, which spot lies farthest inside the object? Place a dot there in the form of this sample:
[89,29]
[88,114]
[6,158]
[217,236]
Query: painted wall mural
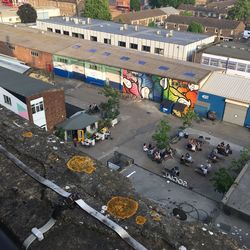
[180,91]
[142,85]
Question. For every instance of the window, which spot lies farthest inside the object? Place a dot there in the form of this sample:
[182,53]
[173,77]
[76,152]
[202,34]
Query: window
[50,29]
[133,46]
[241,67]
[66,33]
[74,34]
[206,29]
[7,99]
[38,107]
[145,48]
[81,36]
[34,53]
[63,60]
[205,60]
[121,44]
[175,25]
[58,31]
[10,19]
[231,65]
[93,38]
[214,62]
[159,51]
[94,67]
[216,30]
[107,41]
[223,64]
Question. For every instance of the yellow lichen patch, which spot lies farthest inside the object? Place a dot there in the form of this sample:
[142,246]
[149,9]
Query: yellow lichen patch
[155,216]
[27,134]
[81,164]
[140,220]
[53,157]
[122,207]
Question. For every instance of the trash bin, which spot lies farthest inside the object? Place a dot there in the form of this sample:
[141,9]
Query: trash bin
[211,115]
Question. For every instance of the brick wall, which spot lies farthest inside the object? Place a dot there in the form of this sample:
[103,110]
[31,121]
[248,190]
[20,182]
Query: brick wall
[42,61]
[54,104]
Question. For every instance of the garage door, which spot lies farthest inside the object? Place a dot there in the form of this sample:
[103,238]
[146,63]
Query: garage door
[235,114]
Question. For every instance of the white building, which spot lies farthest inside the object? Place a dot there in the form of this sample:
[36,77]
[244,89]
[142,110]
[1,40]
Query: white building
[234,57]
[171,44]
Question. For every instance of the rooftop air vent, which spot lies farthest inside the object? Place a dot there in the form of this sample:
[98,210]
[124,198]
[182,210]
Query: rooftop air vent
[171,33]
[233,47]
[158,32]
[242,48]
[76,21]
[225,46]
[121,28]
[167,35]
[88,20]
[125,26]
[66,18]
[136,28]
[83,22]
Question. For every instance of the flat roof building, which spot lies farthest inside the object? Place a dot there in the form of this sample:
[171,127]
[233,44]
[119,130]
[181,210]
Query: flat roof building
[171,44]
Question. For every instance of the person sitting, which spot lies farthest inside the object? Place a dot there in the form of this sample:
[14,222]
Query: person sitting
[145,148]
[182,160]
[213,155]
[150,146]
[175,171]
[95,108]
[188,158]
[228,149]
[157,155]
[198,146]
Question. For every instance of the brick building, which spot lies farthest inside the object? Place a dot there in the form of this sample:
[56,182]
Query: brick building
[144,17]
[223,29]
[34,100]
[218,9]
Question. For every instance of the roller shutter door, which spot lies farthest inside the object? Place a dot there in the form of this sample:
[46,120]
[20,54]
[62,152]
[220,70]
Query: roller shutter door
[235,114]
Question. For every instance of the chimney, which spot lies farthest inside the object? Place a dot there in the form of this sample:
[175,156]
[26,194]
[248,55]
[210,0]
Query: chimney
[158,32]
[125,26]
[136,28]
[88,20]
[66,18]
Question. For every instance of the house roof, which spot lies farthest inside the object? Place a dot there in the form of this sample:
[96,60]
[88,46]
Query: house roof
[105,54]
[13,64]
[79,120]
[230,49]
[205,21]
[220,7]
[231,87]
[96,25]
[138,15]
[21,84]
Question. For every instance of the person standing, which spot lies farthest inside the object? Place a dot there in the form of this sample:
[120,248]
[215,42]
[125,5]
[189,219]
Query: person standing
[75,142]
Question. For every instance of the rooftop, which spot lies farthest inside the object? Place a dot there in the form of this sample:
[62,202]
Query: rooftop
[205,21]
[21,84]
[131,16]
[99,53]
[230,49]
[231,87]
[181,38]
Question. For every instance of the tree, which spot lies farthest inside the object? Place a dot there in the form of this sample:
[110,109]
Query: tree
[195,27]
[135,5]
[152,25]
[240,11]
[222,180]
[98,9]
[189,117]
[238,164]
[161,135]
[27,13]
[173,3]
[110,108]
[187,13]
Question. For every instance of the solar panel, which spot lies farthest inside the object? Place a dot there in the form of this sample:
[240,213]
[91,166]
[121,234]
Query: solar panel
[190,74]
[141,62]
[76,46]
[92,50]
[163,68]
[124,58]
[106,53]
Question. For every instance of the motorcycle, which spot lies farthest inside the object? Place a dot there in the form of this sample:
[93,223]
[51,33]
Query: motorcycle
[203,169]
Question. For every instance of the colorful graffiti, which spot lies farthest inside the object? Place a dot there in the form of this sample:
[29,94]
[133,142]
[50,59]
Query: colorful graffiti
[179,91]
[142,85]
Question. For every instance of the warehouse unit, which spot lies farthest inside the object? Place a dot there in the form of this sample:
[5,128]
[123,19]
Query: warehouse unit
[167,43]
[228,96]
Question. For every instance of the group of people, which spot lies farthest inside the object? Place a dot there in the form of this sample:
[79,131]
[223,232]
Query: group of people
[194,145]
[224,149]
[204,169]
[155,154]
[93,108]
[187,158]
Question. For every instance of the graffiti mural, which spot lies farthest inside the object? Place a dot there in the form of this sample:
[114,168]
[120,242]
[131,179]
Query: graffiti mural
[179,91]
[142,85]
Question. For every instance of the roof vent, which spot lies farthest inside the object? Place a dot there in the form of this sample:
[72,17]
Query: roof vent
[233,47]
[121,28]
[242,48]
[167,35]
[101,26]
[83,22]
[125,26]
[171,33]
[136,28]
[158,32]
[72,19]
[41,31]
[76,21]
[66,18]
[225,46]
[88,20]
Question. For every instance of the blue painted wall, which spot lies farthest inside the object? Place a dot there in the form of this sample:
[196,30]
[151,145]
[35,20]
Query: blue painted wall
[217,103]
[247,121]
